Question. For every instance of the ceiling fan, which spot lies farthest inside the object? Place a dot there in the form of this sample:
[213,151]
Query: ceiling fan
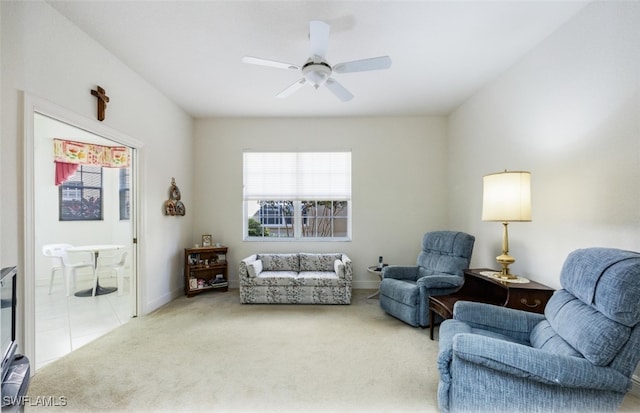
[316,71]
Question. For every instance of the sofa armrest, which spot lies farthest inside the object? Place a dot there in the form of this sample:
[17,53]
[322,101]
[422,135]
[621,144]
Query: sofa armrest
[531,363]
[516,324]
[243,273]
[400,272]
[348,267]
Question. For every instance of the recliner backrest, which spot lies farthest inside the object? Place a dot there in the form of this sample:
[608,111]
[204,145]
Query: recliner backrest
[606,279]
[596,315]
[446,252]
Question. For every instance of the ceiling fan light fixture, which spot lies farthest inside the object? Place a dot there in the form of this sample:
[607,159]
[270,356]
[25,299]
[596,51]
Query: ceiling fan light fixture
[316,73]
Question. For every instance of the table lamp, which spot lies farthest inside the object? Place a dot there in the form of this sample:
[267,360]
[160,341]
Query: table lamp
[506,197]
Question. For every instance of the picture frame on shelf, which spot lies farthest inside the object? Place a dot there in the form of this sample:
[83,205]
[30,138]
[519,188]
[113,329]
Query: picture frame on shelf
[206,240]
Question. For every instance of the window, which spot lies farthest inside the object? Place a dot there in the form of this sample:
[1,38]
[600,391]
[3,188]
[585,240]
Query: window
[324,219]
[124,194]
[297,195]
[81,195]
[275,213]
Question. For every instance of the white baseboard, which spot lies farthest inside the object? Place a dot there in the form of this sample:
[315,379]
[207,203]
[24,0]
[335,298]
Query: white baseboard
[366,285]
[160,301]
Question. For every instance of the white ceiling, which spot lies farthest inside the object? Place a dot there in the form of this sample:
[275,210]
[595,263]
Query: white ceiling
[443,51]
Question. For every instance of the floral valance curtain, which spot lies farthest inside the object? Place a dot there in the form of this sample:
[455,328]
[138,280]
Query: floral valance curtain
[68,155]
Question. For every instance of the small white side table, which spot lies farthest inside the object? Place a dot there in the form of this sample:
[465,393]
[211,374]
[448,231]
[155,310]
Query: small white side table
[373,269]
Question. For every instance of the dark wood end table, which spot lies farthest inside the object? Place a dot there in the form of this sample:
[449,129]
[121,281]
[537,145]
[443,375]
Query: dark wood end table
[477,287]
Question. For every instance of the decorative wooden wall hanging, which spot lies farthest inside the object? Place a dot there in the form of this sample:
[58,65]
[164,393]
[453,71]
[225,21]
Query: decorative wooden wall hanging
[173,205]
[103,99]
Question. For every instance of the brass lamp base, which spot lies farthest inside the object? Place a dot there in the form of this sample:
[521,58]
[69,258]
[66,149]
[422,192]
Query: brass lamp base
[505,260]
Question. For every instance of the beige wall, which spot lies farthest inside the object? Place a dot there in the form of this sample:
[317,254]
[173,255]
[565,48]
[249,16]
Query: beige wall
[569,113]
[399,183]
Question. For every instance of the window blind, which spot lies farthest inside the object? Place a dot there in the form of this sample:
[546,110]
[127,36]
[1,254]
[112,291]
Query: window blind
[297,175]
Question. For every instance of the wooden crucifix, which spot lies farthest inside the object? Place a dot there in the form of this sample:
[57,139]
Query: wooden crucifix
[103,99]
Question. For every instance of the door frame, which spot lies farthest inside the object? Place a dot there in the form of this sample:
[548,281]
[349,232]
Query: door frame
[33,105]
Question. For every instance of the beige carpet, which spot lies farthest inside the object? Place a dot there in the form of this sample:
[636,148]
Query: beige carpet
[210,353]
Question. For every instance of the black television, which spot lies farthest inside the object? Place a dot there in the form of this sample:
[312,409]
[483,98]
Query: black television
[8,301]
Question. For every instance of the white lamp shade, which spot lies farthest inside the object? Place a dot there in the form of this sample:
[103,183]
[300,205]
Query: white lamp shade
[506,196]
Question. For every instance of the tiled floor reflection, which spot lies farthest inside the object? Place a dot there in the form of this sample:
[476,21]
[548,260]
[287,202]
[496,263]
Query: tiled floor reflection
[64,324]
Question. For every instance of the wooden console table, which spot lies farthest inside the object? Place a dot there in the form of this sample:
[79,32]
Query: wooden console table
[531,296]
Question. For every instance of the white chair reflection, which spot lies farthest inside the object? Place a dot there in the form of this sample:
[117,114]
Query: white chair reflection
[113,263]
[62,263]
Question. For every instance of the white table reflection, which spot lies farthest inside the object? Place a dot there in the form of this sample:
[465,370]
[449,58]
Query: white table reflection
[95,250]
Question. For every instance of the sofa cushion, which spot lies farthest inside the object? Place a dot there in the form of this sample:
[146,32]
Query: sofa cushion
[319,279]
[275,278]
[318,262]
[338,268]
[254,269]
[280,262]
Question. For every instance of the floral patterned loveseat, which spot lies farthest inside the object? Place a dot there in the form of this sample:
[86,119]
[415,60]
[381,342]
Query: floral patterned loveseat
[301,278]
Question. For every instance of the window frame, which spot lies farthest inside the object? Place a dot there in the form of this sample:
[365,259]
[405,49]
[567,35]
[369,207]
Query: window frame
[124,194]
[82,187]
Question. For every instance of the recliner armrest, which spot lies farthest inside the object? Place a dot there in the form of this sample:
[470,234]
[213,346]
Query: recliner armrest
[516,324]
[527,362]
[400,272]
[440,281]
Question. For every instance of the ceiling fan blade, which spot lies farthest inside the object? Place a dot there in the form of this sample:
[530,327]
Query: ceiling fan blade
[338,90]
[271,63]
[291,89]
[374,63]
[318,37]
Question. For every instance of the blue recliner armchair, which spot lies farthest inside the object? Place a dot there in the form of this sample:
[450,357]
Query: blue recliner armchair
[577,357]
[405,290]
